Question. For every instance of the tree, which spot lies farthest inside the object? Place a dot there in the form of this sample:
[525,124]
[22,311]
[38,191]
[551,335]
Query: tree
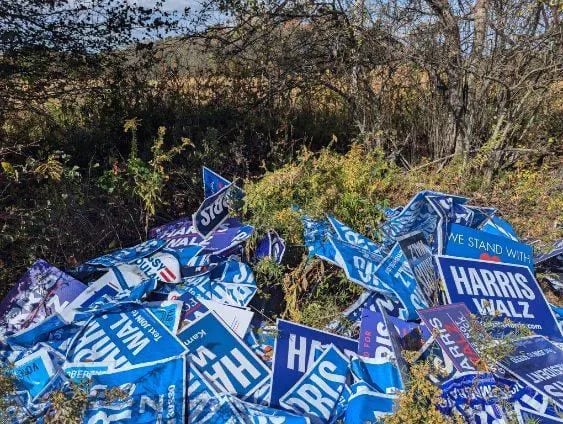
[436,77]
[57,48]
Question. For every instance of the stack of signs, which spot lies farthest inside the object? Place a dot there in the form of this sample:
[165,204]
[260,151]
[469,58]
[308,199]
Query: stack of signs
[169,324]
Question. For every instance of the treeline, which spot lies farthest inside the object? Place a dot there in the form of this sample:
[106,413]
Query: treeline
[108,110]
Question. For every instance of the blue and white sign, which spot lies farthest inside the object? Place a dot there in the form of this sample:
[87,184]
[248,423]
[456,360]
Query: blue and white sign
[181,233]
[538,363]
[318,390]
[167,312]
[213,211]
[396,273]
[345,233]
[126,336]
[212,182]
[380,374]
[128,254]
[79,372]
[223,358]
[469,243]
[359,265]
[252,413]
[398,359]
[296,349]
[367,406]
[155,393]
[367,300]
[419,256]
[271,246]
[33,372]
[374,340]
[498,226]
[104,289]
[200,392]
[498,290]
[234,294]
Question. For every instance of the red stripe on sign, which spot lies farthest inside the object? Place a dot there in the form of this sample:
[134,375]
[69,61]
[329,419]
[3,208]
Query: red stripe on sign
[164,276]
[170,274]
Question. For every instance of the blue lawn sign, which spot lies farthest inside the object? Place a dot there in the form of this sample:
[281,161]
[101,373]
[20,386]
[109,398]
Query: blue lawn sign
[271,246]
[419,256]
[230,293]
[127,255]
[374,340]
[367,406]
[296,349]
[345,233]
[469,243]
[537,362]
[222,357]
[317,235]
[212,182]
[213,211]
[200,391]
[33,372]
[181,233]
[128,335]
[372,301]
[498,226]
[395,339]
[82,371]
[452,324]
[359,265]
[380,374]
[318,390]
[257,414]
[168,312]
[498,290]
[396,273]
[105,288]
[155,393]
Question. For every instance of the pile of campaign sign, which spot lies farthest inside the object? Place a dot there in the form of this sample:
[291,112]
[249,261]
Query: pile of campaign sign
[168,323]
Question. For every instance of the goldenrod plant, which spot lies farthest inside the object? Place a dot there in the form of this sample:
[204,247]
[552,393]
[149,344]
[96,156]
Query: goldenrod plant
[145,179]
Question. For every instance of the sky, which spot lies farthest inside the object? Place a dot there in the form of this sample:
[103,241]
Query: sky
[194,20]
[171,5]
